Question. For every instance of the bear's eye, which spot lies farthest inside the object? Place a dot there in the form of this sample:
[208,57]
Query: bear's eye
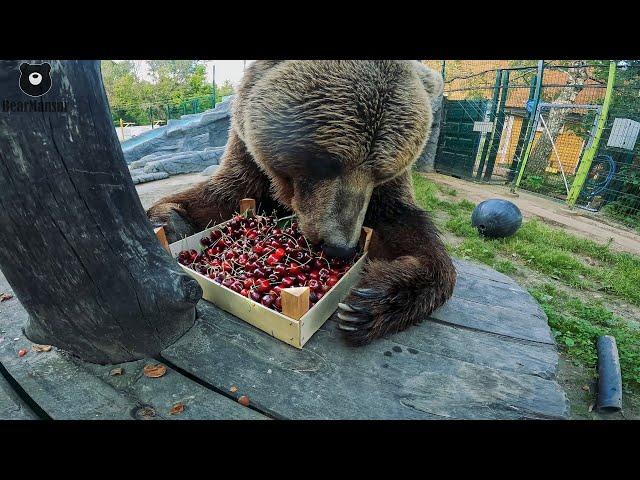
[302,163]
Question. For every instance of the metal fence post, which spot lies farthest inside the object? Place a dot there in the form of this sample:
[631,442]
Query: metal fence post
[492,116]
[497,132]
[532,133]
[524,127]
[590,153]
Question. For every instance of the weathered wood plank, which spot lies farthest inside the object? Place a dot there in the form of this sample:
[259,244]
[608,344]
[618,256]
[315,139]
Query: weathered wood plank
[162,393]
[488,292]
[479,270]
[477,347]
[61,388]
[68,388]
[329,380]
[11,406]
[520,324]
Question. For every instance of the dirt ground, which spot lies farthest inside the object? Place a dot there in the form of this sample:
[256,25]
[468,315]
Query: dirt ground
[578,222]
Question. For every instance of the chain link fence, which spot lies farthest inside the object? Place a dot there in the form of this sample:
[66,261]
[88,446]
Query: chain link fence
[566,129]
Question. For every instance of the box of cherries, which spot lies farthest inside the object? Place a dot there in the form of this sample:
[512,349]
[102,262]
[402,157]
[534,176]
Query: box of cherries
[263,270]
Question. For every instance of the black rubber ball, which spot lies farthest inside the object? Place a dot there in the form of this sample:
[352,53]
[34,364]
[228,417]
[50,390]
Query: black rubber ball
[496,218]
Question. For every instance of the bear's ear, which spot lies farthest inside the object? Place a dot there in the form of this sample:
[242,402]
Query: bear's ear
[431,79]
[23,67]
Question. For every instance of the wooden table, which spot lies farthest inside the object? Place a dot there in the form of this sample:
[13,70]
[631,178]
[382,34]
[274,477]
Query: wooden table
[487,354]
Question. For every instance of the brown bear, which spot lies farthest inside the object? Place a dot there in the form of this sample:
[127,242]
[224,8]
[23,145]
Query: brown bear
[333,142]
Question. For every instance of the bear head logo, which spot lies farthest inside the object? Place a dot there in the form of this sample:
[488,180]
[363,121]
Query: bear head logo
[35,79]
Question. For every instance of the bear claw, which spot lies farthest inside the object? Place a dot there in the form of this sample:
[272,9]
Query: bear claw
[369,293]
[353,318]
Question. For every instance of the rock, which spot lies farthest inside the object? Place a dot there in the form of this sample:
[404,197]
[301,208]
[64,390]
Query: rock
[151,157]
[149,177]
[185,162]
[190,133]
[207,172]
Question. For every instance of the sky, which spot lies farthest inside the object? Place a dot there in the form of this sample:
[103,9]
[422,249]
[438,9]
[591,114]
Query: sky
[225,70]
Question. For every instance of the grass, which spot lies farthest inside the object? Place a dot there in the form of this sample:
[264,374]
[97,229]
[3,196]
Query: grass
[577,324]
[574,263]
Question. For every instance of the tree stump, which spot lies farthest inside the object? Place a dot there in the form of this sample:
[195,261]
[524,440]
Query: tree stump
[75,243]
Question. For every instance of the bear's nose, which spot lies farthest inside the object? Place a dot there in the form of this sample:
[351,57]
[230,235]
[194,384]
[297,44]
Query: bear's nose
[339,252]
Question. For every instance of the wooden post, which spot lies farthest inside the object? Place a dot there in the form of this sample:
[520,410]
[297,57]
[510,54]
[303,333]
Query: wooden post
[295,302]
[247,204]
[75,243]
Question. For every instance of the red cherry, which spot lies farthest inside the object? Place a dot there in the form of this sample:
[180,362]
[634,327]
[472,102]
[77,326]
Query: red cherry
[288,282]
[272,259]
[273,278]
[267,300]
[293,269]
[244,292]
[255,295]
[248,283]
[279,253]
[302,278]
[332,280]
[313,284]
[278,303]
[263,285]
[314,275]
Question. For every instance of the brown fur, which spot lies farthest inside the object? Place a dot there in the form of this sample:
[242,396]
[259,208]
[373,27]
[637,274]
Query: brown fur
[333,141]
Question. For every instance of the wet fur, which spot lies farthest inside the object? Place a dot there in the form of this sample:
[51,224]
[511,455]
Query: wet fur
[316,143]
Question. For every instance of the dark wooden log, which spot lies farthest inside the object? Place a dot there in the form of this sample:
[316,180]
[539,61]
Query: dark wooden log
[75,243]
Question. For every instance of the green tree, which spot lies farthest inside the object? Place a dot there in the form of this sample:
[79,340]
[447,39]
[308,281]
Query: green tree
[177,87]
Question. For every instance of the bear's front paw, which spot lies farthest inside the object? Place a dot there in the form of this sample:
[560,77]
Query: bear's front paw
[393,296]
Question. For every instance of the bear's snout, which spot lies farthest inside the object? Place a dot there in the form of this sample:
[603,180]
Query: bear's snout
[339,252]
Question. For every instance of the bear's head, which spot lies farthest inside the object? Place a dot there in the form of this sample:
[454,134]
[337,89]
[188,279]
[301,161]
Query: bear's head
[327,132]
[35,79]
